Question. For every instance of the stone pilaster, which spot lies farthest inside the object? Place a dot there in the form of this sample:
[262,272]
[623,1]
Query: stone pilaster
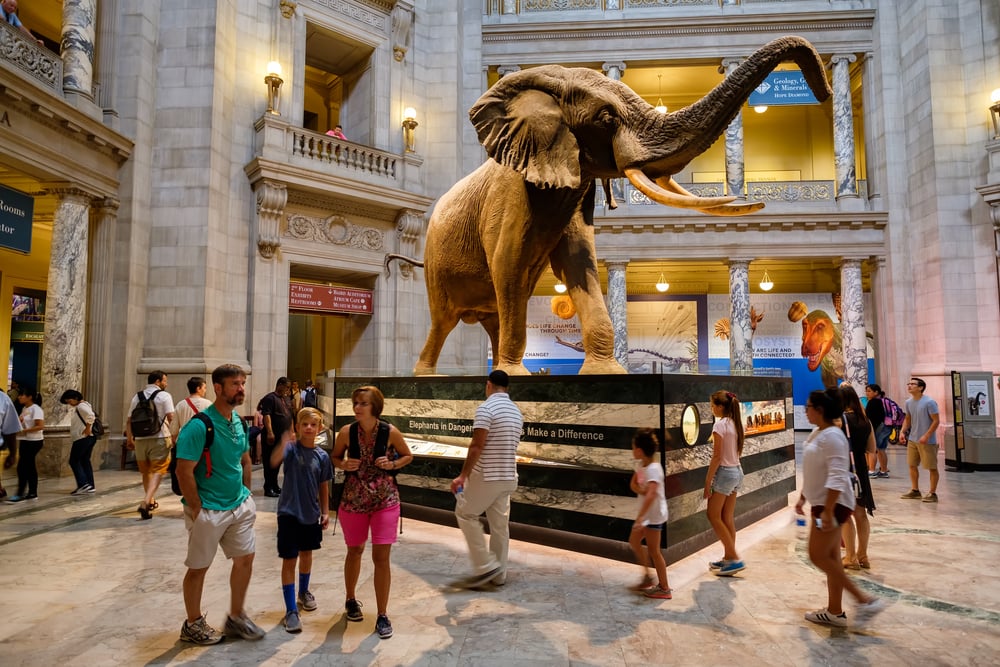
[618,309]
[852,324]
[740,340]
[614,70]
[79,19]
[100,360]
[66,301]
[271,200]
[873,155]
[843,127]
[734,143]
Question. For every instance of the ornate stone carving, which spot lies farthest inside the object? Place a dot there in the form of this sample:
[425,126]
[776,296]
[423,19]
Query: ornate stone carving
[287,8]
[35,61]
[355,12]
[271,199]
[335,230]
[402,20]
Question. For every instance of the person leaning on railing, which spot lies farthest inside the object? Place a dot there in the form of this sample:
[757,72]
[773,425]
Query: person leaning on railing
[8,9]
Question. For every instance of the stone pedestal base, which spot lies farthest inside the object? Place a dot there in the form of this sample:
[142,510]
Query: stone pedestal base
[53,460]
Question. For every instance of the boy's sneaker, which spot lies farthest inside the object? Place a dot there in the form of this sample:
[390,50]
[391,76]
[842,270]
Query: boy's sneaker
[824,617]
[200,632]
[930,498]
[383,627]
[912,494]
[883,474]
[864,613]
[292,623]
[874,473]
[353,608]
[730,568]
[243,627]
[307,601]
[659,593]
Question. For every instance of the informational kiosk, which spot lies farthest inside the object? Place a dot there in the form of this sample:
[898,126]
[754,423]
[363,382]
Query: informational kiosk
[575,459]
[974,445]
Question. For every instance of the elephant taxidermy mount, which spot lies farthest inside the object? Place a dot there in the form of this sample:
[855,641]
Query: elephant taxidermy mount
[551,133]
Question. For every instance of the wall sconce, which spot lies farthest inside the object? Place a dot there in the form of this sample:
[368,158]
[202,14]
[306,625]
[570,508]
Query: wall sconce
[662,285]
[995,112]
[409,125]
[765,282]
[273,81]
[560,288]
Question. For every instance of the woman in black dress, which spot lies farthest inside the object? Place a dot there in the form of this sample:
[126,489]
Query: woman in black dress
[861,435]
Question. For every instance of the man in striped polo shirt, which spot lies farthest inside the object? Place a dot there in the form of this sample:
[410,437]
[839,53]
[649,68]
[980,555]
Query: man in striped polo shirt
[488,477]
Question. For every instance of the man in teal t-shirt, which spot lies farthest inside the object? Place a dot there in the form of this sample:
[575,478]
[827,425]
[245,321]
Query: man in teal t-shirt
[218,507]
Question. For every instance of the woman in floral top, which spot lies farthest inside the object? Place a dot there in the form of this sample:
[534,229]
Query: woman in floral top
[370,502]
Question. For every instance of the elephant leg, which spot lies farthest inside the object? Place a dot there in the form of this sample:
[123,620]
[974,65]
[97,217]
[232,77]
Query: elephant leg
[512,282]
[442,324]
[575,261]
[492,325]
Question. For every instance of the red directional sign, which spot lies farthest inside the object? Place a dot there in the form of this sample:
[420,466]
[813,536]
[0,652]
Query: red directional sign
[310,297]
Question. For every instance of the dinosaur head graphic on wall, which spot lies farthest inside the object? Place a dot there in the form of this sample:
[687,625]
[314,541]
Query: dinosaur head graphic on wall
[822,344]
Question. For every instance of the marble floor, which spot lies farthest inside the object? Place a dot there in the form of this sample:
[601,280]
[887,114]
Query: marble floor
[84,582]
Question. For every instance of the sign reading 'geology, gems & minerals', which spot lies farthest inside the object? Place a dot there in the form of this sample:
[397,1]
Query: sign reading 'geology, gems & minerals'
[310,297]
[784,87]
[16,209]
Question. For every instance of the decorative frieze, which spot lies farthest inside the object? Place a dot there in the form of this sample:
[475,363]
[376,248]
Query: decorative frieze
[39,63]
[334,230]
[355,12]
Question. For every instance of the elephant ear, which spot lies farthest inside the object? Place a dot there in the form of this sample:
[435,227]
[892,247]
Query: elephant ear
[523,129]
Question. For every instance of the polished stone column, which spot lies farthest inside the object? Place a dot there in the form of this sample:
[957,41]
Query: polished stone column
[734,143]
[618,309]
[79,19]
[852,324]
[614,70]
[65,301]
[99,312]
[843,127]
[740,335]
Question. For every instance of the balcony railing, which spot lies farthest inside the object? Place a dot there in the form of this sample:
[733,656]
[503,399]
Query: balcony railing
[770,191]
[328,150]
[533,6]
[36,62]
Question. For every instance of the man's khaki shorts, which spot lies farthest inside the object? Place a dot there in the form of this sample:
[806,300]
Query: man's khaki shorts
[925,455]
[230,529]
[152,455]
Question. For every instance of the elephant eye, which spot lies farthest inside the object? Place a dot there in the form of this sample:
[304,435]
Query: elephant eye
[606,118]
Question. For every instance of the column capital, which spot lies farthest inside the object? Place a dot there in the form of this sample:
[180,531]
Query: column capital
[852,261]
[842,57]
[616,264]
[70,191]
[740,261]
[618,67]
[504,70]
[729,64]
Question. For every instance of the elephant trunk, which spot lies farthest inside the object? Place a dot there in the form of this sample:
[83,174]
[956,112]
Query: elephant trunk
[693,129]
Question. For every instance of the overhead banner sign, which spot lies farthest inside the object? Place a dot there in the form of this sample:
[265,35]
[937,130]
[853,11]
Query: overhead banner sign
[786,87]
[16,211]
[310,297]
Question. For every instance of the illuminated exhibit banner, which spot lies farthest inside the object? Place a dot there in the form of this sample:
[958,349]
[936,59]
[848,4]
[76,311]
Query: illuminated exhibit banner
[16,210]
[310,297]
[786,87]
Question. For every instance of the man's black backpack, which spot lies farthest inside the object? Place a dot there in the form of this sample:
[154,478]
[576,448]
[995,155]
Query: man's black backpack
[144,420]
[175,485]
[309,400]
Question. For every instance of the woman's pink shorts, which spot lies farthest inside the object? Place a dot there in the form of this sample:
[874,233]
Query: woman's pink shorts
[383,525]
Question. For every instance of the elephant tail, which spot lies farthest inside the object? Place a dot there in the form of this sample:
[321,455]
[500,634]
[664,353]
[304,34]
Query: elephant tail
[403,258]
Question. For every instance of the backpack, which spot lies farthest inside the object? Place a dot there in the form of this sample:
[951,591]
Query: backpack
[97,428]
[144,420]
[175,484]
[354,452]
[309,400]
[894,414]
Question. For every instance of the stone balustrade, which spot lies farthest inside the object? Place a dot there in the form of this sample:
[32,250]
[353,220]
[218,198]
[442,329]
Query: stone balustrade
[346,154]
[37,63]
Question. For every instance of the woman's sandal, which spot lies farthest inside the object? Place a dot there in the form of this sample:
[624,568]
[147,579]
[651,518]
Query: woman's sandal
[864,563]
[851,565]
[144,512]
[154,505]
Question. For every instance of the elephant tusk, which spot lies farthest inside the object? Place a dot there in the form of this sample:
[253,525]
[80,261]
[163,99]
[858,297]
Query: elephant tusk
[734,209]
[676,199]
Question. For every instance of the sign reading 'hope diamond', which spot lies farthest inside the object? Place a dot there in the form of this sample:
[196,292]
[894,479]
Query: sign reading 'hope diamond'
[784,87]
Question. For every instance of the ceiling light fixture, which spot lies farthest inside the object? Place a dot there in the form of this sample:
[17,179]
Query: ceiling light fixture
[662,285]
[660,106]
[765,282]
[560,288]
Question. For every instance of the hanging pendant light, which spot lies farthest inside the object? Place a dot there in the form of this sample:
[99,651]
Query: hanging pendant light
[765,282]
[660,106]
[560,288]
[662,285]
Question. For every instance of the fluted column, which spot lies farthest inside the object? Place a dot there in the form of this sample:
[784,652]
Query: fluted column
[740,340]
[618,309]
[734,143]
[874,174]
[843,127]
[852,324]
[271,200]
[65,301]
[79,18]
[100,285]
